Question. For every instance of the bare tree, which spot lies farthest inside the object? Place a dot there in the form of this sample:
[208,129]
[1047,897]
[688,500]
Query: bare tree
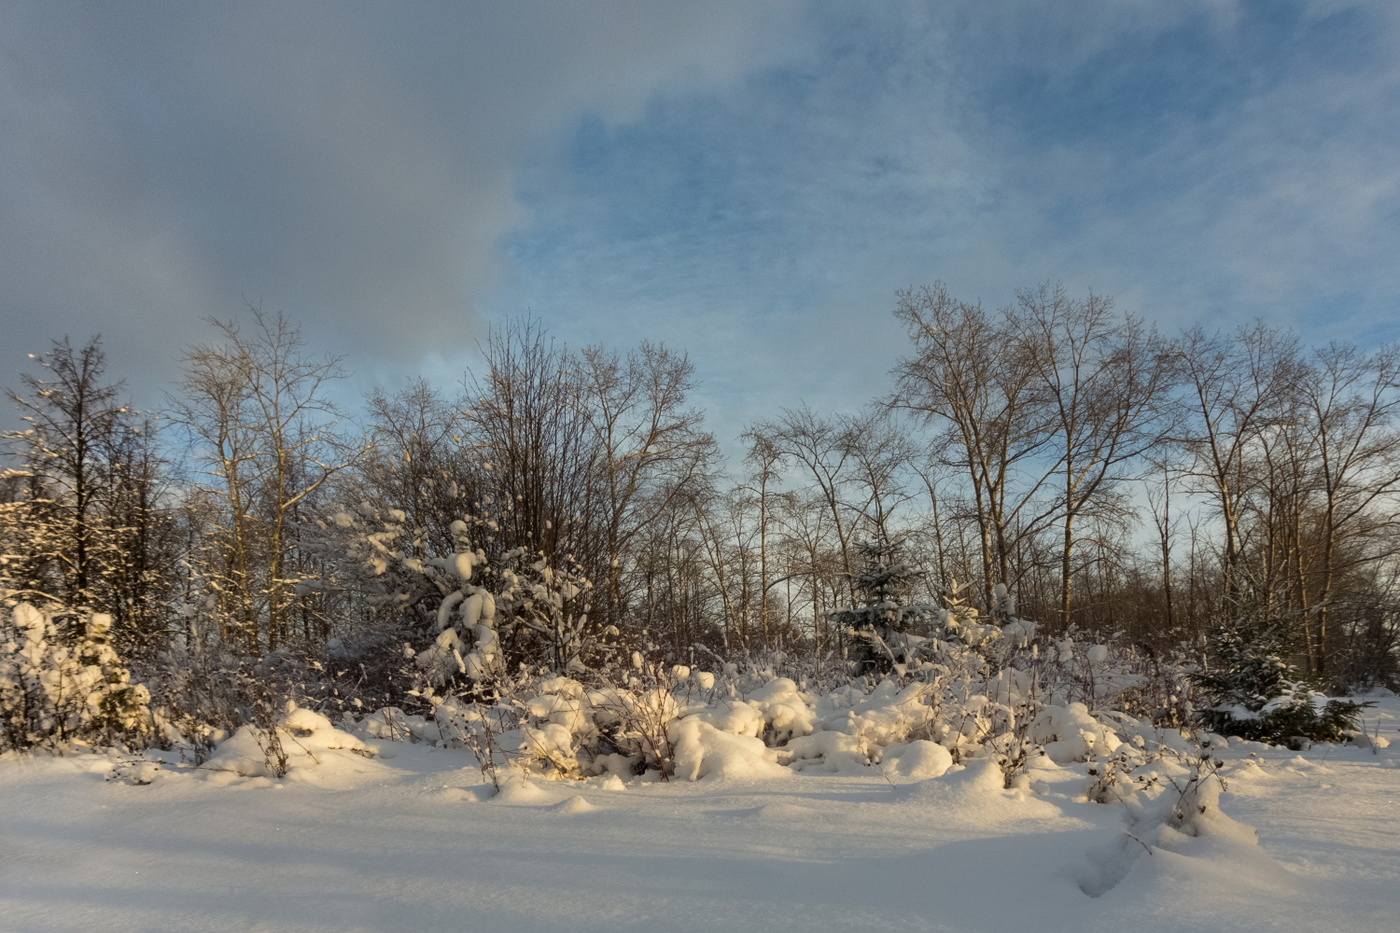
[420,461]
[821,448]
[763,458]
[540,460]
[881,456]
[968,379]
[652,449]
[677,599]
[728,535]
[811,558]
[257,411]
[1104,379]
[1234,389]
[1352,400]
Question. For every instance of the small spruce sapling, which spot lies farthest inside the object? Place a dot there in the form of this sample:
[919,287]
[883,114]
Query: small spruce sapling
[884,620]
[1251,691]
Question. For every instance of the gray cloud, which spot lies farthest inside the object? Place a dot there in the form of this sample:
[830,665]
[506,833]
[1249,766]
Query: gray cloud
[352,164]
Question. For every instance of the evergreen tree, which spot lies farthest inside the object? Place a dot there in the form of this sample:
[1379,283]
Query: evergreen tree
[883,621]
[1252,691]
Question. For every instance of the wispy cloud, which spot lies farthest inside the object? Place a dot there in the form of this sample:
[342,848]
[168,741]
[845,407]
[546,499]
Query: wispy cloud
[1202,162]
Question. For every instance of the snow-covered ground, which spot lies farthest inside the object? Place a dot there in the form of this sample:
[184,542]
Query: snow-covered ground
[416,842]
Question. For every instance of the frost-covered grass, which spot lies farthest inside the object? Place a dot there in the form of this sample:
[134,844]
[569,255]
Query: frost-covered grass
[417,841]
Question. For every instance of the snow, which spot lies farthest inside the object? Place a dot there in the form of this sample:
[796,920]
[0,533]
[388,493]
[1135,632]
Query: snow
[346,842]
[918,760]
[1070,733]
[703,751]
[311,745]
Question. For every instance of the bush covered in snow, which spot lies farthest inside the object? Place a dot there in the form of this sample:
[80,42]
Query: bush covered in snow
[514,673]
[61,681]
[490,608]
[300,738]
[985,691]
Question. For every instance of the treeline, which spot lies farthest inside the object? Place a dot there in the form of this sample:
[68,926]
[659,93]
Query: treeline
[1114,480]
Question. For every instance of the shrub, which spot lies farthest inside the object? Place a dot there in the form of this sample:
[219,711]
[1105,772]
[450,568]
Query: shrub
[64,683]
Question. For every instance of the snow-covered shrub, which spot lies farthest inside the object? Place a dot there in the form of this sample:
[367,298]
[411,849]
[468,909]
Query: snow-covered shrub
[203,692]
[490,610]
[547,725]
[983,689]
[392,724]
[703,751]
[476,726]
[1180,803]
[626,724]
[1117,778]
[786,711]
[1070,733]
[635,715]
[296,739]
[118,709]
[918,760]
[1152,687]
[558,734]
[64,684]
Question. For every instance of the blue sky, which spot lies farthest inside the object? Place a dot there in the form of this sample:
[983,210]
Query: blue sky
[748,182]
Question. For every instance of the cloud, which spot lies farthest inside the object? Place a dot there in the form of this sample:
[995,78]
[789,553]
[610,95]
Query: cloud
[1205,161]
[351,163]
[749,182]
[1249,170]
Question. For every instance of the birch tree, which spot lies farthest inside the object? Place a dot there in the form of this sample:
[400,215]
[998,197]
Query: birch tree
[257,411]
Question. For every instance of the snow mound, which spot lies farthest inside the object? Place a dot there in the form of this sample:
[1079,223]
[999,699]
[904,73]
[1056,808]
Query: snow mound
[1188,838]
[964,789]
[781,812]
[518,790]
[702,751]
[919,760]
[392,724]
[976,794]
[575,804]
[737,718]
[832,752]
[454,795]
[137,772]
[1366,740]
[1249,772]
[1071,733]
[1301,765]
[302,742]
[786,712]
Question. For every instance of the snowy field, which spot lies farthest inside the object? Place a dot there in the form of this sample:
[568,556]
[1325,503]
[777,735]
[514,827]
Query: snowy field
[416,842]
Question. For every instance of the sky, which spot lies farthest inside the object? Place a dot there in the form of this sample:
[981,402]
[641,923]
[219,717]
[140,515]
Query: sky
[751,183]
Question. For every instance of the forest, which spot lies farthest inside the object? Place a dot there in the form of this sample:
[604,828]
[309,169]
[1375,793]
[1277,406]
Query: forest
[1200,502]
